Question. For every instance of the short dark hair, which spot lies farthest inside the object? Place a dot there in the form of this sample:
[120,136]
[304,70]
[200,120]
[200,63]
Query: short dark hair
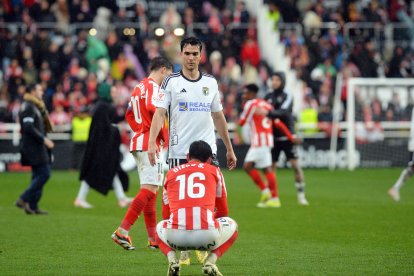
[159,62]
[200,150]
[251,87]
[31,87]
[192,40]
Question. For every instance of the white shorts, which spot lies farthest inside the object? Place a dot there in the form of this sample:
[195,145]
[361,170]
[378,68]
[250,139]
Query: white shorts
[148,174]
[260,156]
[205,240]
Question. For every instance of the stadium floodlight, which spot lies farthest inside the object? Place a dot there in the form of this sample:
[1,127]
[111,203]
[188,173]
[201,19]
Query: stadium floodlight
[159,31]
[129,31]
[92,32]
[179,31]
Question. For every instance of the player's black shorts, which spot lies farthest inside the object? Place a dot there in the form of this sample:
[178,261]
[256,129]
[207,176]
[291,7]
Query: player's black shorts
[176,162]
[290,150]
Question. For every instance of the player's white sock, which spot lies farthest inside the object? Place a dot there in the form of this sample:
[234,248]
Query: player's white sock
[300,188]
[171,257]
[405,174]
[83,191]
[211,258]
[118,190]
[265,191]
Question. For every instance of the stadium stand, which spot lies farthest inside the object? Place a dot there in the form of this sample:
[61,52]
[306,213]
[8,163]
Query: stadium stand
[70,47]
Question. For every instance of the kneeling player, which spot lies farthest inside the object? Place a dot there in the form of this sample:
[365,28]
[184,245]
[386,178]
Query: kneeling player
[193,192]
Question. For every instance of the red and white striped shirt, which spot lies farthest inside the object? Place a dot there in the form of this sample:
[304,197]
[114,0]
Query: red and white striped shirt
[193,191]
[139,115]
[261,126]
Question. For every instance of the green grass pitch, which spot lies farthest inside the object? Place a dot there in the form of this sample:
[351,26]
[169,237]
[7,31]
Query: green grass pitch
[351,227]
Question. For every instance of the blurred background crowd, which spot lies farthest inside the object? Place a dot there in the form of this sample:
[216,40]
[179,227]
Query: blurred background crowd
[80,49]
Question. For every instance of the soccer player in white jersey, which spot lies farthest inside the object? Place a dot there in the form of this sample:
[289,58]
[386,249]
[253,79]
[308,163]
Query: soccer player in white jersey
[139,116]
[394,191]
[198,214]
[192,100]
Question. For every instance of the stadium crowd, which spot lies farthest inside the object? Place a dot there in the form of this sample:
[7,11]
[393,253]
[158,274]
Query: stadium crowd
[73,64]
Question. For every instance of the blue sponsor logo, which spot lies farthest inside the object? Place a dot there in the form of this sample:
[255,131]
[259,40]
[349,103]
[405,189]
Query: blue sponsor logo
[194,106]
[182,106]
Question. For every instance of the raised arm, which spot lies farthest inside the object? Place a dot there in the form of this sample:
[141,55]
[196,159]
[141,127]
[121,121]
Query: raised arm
[221,126]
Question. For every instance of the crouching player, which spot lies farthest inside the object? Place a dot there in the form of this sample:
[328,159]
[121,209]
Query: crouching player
[197,204]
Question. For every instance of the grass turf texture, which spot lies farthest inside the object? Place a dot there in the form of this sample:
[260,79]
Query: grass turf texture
[352,227]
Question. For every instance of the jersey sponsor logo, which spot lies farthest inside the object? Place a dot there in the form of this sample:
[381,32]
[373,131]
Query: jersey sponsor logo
[205,91]
[182,91]
[194,106]
[183,106]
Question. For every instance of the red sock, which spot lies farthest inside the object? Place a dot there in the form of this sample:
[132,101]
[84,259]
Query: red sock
[165,211]
[271,180]
[150,217]
[255,175]
[136,207]
[225,246]
[163,247]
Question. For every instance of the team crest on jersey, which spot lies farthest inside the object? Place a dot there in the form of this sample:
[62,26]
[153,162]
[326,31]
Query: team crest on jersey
[205,91]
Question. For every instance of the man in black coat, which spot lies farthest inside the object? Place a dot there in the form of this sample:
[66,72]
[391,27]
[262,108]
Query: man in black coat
[282,102]
[100,167]
[35,147]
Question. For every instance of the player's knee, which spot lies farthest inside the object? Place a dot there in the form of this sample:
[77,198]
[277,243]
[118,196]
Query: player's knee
[268,170]
[152,188]
[247,167]
[228,225]
[297,170]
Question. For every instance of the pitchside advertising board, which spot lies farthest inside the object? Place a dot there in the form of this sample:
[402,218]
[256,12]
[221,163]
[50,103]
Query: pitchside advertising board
[313,153]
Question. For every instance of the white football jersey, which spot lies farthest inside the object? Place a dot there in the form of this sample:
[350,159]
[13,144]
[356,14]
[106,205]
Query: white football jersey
[189,104]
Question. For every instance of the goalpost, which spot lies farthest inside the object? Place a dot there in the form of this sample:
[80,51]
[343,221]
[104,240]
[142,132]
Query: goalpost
[375,122]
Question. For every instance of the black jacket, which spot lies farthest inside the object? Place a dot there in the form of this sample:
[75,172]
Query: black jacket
[282,103]
[32,148]
[101,161]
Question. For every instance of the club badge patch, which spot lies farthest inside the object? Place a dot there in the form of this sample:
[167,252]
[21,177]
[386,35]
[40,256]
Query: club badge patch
[205,91]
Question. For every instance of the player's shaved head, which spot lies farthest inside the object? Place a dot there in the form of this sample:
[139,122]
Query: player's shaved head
[200,150]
